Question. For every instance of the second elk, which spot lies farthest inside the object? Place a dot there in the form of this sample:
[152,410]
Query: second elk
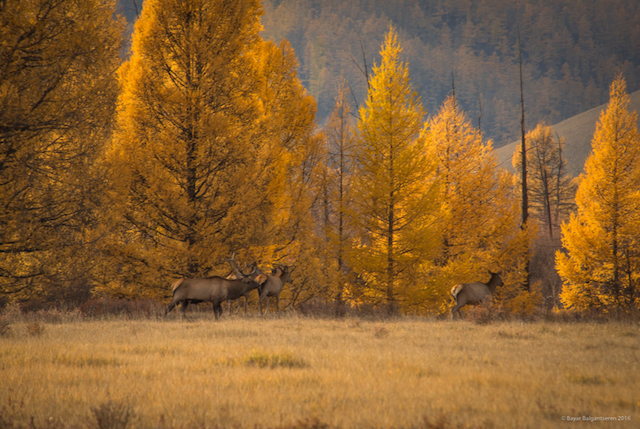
[274,284]
[474,293]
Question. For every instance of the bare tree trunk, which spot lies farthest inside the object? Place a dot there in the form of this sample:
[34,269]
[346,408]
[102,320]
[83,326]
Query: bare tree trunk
[525,190]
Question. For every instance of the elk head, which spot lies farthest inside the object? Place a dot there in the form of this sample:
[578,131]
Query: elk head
[239,273]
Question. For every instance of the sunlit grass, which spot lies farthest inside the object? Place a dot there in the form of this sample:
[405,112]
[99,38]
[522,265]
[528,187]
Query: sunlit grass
[349,373]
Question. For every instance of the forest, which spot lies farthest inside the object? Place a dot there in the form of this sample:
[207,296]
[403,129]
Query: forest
[571,51]
[348,141]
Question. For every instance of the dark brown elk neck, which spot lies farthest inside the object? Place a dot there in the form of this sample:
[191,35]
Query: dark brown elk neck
[494,282]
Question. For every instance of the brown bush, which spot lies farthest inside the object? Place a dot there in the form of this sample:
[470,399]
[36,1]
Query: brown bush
[35,329]
[484,314]
[113,415]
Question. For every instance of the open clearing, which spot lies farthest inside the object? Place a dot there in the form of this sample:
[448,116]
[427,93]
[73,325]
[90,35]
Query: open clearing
[299,372]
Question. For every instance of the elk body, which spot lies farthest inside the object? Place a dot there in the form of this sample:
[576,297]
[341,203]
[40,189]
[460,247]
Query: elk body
[473,293]
[273,286]
[261,278]
[215,290]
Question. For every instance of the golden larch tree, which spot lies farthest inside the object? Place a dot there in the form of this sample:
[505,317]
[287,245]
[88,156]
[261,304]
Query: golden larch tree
[600,262]
[340,136]
[478,217]
[290,164]
[57,99]
[395,190]
[214,133]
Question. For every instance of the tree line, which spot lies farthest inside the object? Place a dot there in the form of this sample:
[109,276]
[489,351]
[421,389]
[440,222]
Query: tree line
[571,50]
[119,177]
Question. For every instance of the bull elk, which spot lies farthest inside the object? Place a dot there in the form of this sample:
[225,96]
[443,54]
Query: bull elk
[239,274]
[473,293]
[273,286]
[215,290]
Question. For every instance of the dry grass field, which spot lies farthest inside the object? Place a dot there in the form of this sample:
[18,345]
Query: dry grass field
[294,372]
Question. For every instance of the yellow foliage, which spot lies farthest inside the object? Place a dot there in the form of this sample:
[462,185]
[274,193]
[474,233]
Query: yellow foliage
[395,189]
[337,180]
[514,300]
[214,149]
[57,92]
[478,217]
[600,264]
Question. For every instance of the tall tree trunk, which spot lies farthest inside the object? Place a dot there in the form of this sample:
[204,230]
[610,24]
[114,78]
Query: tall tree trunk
[525,190]
[391,230]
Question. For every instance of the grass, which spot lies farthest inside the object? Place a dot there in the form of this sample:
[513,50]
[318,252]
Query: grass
[293,372]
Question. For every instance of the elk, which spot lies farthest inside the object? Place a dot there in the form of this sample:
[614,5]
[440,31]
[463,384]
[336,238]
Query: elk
[215,290]
[273,286]
[260,278]
[473,293]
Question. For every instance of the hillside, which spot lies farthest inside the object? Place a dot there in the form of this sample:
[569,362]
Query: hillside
[571,50]
[577,132]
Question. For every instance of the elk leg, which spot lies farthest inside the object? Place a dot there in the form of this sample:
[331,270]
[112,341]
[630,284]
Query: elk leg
[245,305]
[185,303]
[277,303]
[456,309]
[171,306]
[217,310]
[262,298]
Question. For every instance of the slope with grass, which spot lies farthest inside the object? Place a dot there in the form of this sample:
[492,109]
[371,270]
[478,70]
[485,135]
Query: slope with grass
[577,132]
[295,372]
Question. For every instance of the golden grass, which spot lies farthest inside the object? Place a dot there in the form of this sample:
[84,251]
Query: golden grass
[350,373]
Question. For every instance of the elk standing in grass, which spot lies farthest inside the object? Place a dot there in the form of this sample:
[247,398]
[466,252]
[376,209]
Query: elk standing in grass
[215,290]
[273,286]
[473,293]
[237,273]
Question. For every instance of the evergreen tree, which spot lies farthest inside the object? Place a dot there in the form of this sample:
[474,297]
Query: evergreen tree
[57,98]
[601,263]
[395,190]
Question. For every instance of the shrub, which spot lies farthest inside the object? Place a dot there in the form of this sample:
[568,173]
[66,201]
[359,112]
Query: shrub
[267,360]
[485,313]
[322,308]
[4,326]
[35,329]
[112,415]
[442,422]
[12,313]
[308,423]
[381,332]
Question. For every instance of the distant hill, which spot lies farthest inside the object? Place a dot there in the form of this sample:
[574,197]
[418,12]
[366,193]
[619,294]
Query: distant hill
[571,52]
[577,132]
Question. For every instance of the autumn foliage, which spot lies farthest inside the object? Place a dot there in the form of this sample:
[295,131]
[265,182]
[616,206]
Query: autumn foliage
[601,264]
[121,175]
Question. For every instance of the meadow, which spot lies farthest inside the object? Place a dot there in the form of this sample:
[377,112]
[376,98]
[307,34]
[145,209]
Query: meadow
[297,372]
